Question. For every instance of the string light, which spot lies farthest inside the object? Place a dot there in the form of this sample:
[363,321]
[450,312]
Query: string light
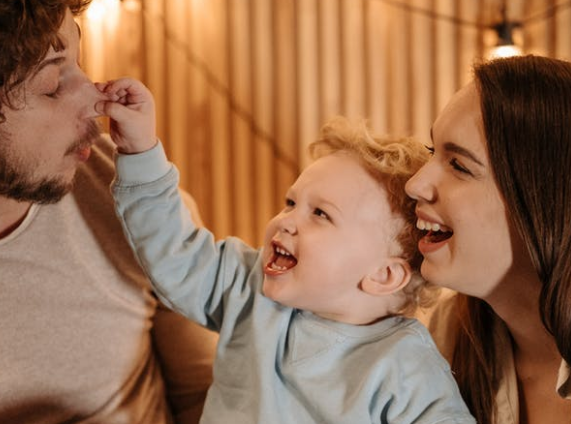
[505,45]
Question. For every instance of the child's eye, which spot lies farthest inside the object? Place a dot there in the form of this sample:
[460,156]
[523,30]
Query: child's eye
[289,203]
[320,213]
[430,150]
[456,165]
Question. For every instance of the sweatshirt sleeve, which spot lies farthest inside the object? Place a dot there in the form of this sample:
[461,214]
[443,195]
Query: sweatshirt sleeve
[189,271]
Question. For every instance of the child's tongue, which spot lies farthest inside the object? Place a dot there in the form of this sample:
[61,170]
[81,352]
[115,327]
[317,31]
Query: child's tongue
[285,261]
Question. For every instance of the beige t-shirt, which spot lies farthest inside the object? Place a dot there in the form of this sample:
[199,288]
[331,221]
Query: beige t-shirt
[77,318]
[443,325]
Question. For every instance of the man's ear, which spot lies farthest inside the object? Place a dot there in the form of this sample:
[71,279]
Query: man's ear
[391,277]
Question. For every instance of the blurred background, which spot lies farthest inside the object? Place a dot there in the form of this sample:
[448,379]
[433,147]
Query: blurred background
[243,86]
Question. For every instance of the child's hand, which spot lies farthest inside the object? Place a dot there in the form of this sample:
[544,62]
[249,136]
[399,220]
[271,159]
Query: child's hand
[131,109]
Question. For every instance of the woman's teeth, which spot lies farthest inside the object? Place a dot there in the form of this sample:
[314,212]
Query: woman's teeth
[421,224]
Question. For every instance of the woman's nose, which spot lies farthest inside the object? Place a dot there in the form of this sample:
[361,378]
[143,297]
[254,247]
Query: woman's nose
[420,186]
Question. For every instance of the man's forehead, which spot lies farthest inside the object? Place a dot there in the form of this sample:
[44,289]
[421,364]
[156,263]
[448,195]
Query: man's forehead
[67,33]
[69,27]
[54,57]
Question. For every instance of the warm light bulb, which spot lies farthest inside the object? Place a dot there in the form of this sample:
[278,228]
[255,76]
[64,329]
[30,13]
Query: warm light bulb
[99,9]
[505,50]
[96,11]
[505,45]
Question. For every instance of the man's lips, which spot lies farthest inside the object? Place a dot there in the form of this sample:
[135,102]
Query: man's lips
[83,152]
[82,147]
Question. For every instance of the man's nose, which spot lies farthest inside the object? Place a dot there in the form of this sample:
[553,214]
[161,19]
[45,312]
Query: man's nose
[89,95]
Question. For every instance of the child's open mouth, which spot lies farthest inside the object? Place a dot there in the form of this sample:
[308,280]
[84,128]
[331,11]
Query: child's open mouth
[280,261]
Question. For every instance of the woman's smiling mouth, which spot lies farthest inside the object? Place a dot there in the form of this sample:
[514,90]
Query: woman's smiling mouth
[436,236]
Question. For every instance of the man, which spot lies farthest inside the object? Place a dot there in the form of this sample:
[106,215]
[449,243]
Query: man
[82,337]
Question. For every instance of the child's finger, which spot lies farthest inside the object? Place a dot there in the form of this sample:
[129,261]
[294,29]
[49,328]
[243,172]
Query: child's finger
[127,91]
[115,110]
[101,86]
[101,107]
[107,89]
[122,86]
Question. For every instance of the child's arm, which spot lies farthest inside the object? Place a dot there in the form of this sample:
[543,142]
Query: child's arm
[183,262]
[205,280]
[131,109]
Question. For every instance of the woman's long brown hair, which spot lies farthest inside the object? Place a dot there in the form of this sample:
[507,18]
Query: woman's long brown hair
[526,110]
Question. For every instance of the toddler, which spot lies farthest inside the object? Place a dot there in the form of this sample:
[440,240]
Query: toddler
[311,326]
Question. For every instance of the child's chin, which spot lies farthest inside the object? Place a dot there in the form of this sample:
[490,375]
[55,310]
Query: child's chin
[266,288]
[272,290]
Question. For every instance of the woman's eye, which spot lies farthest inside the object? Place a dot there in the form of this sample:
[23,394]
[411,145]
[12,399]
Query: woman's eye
[320,213]
[430,150]
[456,165]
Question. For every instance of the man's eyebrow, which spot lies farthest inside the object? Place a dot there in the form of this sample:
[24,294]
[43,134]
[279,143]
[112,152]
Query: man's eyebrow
[53,61]
[454,148]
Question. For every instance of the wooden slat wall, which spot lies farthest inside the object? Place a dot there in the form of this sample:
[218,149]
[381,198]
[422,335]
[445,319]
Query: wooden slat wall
[242,86]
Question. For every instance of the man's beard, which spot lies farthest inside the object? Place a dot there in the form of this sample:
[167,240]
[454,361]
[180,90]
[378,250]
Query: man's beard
[18,183]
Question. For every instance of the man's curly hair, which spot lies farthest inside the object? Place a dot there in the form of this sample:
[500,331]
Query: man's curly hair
[28,28]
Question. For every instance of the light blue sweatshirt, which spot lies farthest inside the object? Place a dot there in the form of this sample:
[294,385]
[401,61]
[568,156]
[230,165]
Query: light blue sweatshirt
[275,364]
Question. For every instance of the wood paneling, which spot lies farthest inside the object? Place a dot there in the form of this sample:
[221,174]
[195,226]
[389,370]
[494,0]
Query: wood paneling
[242,86]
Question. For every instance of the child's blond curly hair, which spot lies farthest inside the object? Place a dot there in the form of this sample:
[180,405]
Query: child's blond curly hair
[391,161]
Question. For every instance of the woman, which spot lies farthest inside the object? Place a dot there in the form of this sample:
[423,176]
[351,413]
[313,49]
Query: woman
[495,200]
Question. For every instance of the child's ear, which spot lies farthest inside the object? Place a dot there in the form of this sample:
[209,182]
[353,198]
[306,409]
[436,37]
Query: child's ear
[393,276]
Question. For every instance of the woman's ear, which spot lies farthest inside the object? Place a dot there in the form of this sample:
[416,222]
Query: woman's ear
[393,276]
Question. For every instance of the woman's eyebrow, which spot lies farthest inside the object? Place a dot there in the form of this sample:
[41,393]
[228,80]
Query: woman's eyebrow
[454,148]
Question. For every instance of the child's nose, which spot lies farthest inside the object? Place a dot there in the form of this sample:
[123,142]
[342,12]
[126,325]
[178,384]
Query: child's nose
[287,223]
